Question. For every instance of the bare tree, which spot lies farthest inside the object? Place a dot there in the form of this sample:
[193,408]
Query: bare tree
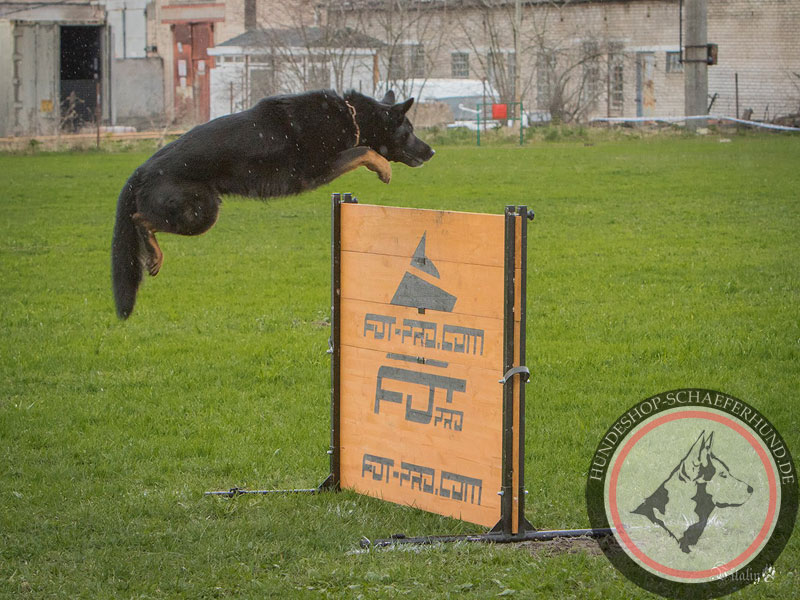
[323,52]
[490,28]
[563,64]
[307,51]
[412,32]
[569,80]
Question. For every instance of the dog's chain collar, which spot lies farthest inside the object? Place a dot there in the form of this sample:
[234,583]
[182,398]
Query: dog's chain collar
[352,110]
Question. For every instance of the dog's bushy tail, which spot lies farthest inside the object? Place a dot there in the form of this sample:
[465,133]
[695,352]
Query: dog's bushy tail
[126,251]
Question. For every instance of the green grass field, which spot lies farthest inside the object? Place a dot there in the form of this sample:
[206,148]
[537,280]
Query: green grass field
[655,263]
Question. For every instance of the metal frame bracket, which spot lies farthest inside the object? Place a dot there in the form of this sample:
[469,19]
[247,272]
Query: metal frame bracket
[522,369]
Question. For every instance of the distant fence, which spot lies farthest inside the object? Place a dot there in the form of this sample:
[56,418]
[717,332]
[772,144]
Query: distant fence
[682,119]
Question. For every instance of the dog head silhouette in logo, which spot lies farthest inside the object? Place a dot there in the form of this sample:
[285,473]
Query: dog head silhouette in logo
[701,482]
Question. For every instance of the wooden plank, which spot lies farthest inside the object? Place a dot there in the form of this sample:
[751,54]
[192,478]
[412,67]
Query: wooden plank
[454,403]
[446,337]
[475,289]
[467,491]
[450,236]
[444,419]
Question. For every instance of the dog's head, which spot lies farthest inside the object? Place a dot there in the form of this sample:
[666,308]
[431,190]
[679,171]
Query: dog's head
[720,484]
[698,485]
[386,129]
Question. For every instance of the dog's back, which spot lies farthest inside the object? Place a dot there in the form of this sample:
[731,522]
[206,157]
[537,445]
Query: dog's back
[265,151]
[284,145]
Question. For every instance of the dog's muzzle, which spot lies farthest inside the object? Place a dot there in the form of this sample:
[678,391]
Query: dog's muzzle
[419,158]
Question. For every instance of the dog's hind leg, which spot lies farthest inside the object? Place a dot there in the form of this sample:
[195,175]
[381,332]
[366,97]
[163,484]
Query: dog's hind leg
[154,256]
[361,156]
[181,208]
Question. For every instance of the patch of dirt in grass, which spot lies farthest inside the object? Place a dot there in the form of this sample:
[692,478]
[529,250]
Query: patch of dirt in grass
[574,545]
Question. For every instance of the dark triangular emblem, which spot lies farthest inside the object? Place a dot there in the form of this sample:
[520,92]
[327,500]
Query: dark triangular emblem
[416,292]
[422,262]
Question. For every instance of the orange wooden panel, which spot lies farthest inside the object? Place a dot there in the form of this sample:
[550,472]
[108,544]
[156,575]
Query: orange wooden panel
[470,289]
[453,402]
[448,337]
[421,353]
[469,238]
[423,435]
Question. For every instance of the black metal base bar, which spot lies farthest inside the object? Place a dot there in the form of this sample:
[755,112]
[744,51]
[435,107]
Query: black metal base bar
[329,484]
[233,492]
[490,537]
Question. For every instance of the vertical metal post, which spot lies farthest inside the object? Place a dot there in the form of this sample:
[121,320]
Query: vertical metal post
[517,52]
[680,29]
[480,106]
[523,524]
[336,247]
[97,110]
[520,143]
[509,276]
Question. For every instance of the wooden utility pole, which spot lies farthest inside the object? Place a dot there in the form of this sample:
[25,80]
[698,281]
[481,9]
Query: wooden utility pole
[695,69]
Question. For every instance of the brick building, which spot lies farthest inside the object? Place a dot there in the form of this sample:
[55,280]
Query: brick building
[146,63]
[582,58]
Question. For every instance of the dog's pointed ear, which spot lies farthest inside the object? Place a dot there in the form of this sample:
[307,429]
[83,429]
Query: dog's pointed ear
[700,452]
[705,450]
[399,110]
[692,461]
[694,452]
[388,98]
[406,105]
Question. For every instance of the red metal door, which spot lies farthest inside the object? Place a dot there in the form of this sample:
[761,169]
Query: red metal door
[202,40]
[191,70]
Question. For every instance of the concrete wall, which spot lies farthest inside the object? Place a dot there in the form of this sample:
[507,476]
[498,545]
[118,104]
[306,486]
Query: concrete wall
[563,31]
[30,79]
[6,77]
[270,14]
[137,96]
[761,42]
[128,24]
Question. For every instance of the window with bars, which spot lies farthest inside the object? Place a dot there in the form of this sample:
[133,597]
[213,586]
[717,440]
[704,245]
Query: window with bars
[407,62]
[616,81]
[501,72]
[459,65]
[318,73]
[262,83]
[545,73]
[674,64]
[417,61]
[591,85]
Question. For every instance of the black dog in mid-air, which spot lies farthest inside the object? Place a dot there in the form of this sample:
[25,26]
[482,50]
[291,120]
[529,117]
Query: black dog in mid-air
[283,145]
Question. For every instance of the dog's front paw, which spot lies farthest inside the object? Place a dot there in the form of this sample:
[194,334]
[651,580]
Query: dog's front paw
[381,166]
[385,175]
